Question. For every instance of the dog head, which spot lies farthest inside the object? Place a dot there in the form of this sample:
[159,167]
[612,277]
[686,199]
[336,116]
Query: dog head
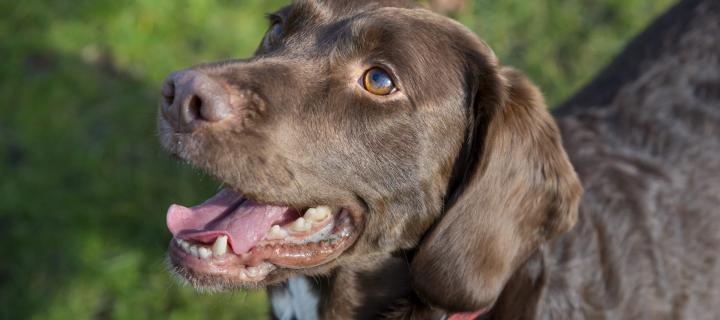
[361,128]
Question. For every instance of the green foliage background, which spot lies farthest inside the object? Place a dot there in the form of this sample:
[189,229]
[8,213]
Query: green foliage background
[83,183]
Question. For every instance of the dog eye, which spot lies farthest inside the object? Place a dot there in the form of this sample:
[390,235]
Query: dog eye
[378,82]
[276,30]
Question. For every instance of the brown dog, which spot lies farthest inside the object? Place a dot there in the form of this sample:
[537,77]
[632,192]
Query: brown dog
[384,152]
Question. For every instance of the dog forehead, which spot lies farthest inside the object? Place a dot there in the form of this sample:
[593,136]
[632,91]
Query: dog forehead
[315,13]
[382,30]
[316,30]
[333,22]
[341,7]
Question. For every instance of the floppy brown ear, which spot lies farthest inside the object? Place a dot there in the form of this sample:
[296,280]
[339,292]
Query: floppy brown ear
[521,191]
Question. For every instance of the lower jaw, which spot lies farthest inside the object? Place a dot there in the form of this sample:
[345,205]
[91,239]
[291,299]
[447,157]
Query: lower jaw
[257,266]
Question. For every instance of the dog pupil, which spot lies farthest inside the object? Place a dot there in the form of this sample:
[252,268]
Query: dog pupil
[380,79]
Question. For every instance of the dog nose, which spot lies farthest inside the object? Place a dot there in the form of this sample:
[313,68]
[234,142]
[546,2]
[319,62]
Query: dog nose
[191,98]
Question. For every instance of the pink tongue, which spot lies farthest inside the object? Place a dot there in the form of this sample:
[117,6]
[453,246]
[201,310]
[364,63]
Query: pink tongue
[244,222]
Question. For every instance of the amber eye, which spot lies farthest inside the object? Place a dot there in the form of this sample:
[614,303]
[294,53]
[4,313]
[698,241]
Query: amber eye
[377,81]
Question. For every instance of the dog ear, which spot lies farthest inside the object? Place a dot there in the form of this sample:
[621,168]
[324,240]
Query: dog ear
[518,192]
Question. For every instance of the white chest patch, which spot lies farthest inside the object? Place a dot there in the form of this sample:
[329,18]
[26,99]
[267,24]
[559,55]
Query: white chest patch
[296,301]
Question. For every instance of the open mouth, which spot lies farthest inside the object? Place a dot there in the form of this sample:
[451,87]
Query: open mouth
[239,241]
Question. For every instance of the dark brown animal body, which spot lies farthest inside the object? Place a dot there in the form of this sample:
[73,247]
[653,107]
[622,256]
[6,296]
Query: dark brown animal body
[645,139]
[457,190]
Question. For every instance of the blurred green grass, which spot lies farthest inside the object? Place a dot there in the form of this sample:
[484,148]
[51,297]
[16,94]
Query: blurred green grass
[83,183]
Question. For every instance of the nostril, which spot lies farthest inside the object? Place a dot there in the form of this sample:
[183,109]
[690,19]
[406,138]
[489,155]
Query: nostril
[191,98]
[195,107]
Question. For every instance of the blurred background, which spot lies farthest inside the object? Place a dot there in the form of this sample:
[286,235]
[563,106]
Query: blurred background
[84,185]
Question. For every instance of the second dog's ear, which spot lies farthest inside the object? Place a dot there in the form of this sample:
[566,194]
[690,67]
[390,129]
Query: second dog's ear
[520,192]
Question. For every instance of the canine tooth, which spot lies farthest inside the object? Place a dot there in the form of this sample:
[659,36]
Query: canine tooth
[205,252]
[185,245]
[277,233]
[317,213]
[220,246]
[300,225]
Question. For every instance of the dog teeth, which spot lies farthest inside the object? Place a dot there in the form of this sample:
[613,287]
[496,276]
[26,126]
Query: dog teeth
[276,233]
[252,271]
[300,225]
[317,213]
[220,246]
[183,244]
[196,250]
[255,273]
[204,252]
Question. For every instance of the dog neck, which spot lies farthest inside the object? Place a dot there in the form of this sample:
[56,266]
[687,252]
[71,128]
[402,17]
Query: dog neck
[381,293]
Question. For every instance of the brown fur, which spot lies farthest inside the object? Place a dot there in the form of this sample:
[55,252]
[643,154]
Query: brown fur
[462,182]
[523,193]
